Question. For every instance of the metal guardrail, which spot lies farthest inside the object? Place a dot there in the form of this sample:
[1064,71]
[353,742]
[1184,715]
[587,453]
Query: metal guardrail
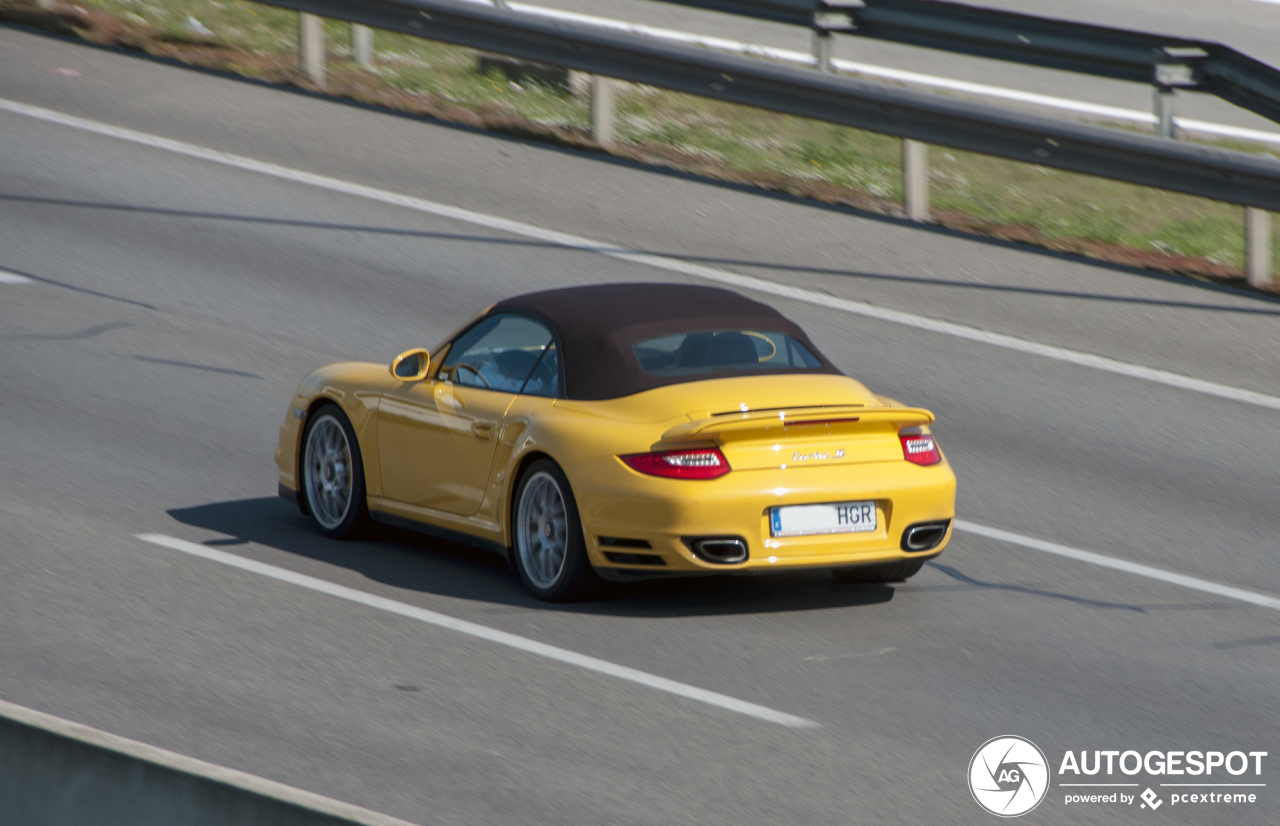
[918,118]
[1209,172]
[1121,54]
[794,12]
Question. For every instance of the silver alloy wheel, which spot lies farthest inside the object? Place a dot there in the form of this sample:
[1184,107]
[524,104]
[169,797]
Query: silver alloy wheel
[327,472]
[542,530]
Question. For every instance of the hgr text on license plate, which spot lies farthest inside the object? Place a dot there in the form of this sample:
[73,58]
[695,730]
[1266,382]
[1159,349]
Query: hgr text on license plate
[831,517]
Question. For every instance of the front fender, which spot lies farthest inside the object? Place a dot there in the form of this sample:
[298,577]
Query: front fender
[356,387]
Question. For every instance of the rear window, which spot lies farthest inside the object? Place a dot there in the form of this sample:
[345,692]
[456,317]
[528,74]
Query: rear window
[716,351]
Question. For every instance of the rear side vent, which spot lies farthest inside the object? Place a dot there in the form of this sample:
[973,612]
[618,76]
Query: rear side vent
[718,550]
[924,536]
[622,542]
[634,559]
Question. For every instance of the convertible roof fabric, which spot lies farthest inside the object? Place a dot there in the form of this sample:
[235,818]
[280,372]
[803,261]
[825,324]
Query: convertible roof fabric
[599,324]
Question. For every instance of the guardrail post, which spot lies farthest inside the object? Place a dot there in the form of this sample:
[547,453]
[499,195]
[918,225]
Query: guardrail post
[311,46]
[602,110]
[362,44]
[915,179]
[1166,106]
[1257,239]
[822,50]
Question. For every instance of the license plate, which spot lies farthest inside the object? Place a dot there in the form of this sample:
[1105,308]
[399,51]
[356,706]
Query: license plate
[833,517]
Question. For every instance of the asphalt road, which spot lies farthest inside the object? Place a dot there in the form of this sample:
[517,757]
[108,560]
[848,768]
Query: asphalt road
[175,302]
[1251,26]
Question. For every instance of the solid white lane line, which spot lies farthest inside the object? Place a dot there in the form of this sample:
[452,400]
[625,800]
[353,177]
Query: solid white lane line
[1195,583]
[661,262]
[7,277]
[915,78]
[484,632]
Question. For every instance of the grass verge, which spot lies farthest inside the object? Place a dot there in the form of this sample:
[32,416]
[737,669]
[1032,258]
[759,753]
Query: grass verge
[1062,211]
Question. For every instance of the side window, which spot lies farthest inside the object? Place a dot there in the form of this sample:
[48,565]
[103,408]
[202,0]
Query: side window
[545,379]
[499,353]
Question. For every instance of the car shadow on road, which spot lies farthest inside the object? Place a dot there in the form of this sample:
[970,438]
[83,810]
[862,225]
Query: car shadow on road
[405,559]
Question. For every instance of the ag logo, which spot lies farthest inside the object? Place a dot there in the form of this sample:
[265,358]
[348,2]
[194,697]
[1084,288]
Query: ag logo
[1008,776]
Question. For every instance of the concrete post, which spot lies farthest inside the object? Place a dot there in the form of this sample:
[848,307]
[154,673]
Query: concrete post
[1165,109]
[915,179]
[822,50]
[311,46]
[602,110]
[362,44]
[1257,240]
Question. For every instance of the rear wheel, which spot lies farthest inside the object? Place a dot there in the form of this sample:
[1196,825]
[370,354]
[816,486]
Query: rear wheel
[550,552]
[882,572]
[333,474]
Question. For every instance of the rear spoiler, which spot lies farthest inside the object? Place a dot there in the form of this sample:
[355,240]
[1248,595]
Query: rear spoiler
[780,420]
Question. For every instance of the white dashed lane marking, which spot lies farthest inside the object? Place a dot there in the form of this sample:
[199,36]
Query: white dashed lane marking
[484,632]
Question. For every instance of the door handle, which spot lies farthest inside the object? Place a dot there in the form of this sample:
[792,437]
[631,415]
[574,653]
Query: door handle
[482,430]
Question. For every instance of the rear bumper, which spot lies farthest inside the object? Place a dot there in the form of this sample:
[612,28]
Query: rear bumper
[616,503]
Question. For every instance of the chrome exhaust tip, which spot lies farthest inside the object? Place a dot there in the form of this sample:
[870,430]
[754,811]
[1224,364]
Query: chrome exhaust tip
[718,550]
[924,536]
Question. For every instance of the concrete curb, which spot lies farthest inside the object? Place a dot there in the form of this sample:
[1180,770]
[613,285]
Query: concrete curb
[55,772]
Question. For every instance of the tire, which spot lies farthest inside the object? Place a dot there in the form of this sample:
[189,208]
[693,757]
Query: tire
[549,551]
[333,474]
[880,573]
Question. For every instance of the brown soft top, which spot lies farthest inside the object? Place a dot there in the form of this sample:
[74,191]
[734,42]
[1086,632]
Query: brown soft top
[598,325]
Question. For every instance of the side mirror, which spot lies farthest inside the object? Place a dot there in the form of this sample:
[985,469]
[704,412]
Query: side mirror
[411,365]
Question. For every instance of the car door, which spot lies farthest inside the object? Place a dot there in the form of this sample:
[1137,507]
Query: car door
[437,437]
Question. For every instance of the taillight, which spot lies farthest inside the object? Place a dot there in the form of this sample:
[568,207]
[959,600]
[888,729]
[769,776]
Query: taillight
[919,448]
[700,463]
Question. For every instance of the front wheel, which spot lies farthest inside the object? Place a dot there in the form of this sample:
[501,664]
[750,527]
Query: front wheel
[333,474]
[550,552]
[883,572]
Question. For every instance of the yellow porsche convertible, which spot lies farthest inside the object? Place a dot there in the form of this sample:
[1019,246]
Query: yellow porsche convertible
[624,431]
